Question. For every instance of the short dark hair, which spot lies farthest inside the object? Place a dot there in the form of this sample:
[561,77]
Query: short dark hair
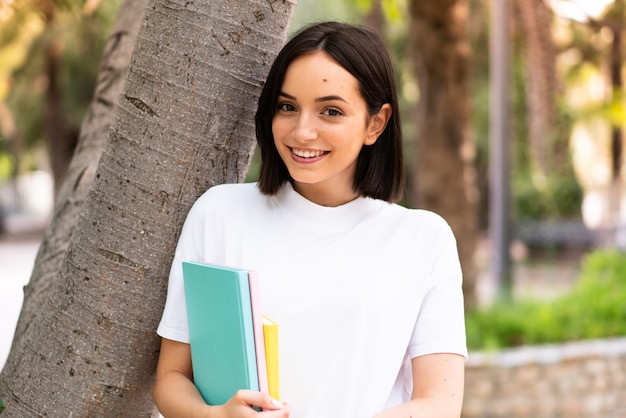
[379,172]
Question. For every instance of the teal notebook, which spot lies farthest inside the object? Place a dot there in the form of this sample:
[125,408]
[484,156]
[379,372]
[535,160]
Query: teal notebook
[221,331]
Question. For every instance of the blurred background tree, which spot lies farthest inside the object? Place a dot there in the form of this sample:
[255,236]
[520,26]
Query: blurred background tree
[592,64]
[49,56]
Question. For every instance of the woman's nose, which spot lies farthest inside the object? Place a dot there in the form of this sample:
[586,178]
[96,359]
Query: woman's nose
[305,129]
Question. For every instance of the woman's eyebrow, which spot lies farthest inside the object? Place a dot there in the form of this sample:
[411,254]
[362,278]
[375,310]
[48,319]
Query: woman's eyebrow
[288,96]
[330,98]
[319,99]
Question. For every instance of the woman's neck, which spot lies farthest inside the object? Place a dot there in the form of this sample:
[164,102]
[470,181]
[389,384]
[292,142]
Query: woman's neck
[325,196]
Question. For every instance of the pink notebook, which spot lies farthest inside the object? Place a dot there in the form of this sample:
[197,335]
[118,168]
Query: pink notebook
[257,323]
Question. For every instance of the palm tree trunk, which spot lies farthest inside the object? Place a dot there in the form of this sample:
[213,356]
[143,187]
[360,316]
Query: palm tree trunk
[541,82]
[617,133]
[443,177]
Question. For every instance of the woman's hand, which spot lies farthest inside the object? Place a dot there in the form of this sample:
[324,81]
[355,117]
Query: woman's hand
[240,406]
[176,395]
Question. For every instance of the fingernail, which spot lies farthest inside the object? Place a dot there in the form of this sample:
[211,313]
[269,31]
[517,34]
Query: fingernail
[277,404]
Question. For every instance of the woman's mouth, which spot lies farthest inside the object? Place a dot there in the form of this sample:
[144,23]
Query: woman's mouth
[307,156]
[305,153]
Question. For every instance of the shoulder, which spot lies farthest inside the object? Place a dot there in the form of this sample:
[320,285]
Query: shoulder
[416,229]
[416,218]
[225,200]
[225,195]
[232,190]
[426,238]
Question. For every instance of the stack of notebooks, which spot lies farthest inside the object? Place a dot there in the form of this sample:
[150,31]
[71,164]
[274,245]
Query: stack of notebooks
[233,346]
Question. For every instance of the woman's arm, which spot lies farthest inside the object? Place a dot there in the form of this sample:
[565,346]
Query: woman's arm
[176,396]
[174,392]
[438,381]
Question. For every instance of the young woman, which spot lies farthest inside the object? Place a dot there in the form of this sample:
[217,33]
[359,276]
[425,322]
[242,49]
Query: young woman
[367,293]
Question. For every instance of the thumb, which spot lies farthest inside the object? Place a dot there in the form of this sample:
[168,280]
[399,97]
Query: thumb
[260,399]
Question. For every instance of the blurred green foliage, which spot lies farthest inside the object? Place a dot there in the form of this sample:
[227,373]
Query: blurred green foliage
[560,196]
[594,308]
[79,32]
[534,194]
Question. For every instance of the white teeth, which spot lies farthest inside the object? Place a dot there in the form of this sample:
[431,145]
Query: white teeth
[307,153]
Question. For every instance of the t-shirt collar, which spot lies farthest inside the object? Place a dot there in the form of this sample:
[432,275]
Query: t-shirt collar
[323,218]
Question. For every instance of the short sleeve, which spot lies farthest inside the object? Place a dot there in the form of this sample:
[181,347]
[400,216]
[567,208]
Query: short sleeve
[173,325]
[440,324]
[190,246]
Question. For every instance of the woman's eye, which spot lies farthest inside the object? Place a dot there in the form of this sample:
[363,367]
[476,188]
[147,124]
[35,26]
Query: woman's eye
[286,107]
[332,112]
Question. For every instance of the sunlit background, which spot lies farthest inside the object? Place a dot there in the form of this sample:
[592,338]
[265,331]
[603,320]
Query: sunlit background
[566,137]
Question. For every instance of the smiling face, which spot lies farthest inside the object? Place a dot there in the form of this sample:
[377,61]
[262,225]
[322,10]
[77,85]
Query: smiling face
[320,125]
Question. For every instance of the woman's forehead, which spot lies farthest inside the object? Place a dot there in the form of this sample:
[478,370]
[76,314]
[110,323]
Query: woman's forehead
[319,72]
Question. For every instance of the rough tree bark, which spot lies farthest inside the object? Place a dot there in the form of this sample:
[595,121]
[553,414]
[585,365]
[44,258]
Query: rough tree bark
[184,123]
[93,133]
[444,177]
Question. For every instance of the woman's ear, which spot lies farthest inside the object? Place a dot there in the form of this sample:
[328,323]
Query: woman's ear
[377,124]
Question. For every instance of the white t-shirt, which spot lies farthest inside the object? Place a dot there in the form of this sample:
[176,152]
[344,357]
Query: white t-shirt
[357,290]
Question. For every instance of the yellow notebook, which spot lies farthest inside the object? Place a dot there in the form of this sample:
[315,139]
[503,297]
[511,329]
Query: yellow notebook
[270,335]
